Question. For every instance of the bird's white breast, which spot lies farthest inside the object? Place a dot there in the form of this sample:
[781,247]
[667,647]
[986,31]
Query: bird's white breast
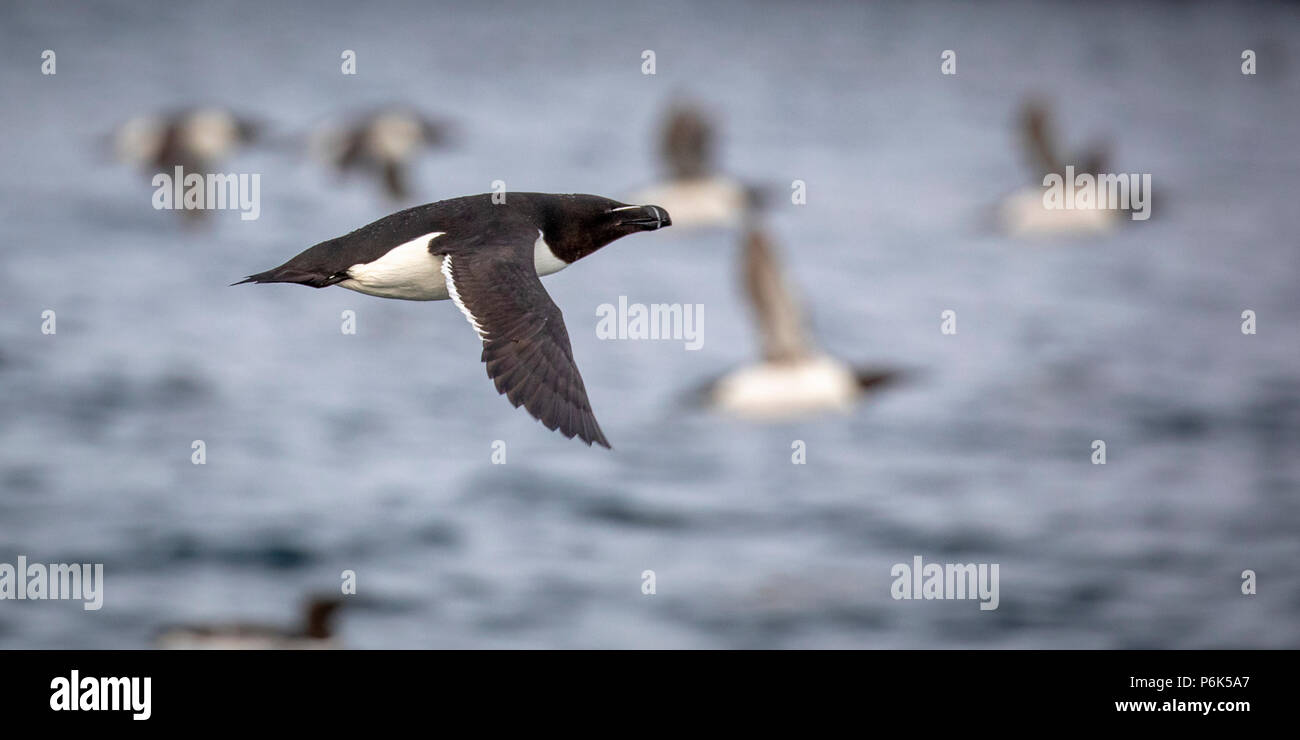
[1022,214]
[210,133]
[780,391]
[410,272]
[139,140]
[393,136]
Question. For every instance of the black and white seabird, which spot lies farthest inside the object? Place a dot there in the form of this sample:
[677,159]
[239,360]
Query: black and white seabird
[693,191]
[794,378]
[316,632]
[1022,213]
[381,142]
[487,259]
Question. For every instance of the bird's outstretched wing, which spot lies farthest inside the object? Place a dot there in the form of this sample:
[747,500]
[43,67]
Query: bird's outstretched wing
[525,345]
[779,317]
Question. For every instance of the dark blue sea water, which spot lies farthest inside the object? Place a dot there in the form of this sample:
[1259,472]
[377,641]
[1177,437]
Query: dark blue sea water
[372,452]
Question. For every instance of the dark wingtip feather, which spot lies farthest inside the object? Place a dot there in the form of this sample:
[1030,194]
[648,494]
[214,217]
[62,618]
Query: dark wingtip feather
[592,432]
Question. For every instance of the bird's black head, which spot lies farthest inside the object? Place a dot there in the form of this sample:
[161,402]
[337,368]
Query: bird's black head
[574,226]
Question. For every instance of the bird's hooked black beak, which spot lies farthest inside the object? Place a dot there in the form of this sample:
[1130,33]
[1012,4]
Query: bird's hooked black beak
[646,218]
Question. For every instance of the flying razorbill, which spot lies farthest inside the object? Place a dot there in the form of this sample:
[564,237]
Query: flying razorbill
[487,258]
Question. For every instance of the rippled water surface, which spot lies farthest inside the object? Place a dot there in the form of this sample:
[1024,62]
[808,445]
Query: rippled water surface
[371,452]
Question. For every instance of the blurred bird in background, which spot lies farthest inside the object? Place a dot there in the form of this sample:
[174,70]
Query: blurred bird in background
[381,143]
[316,632]
[693,190]
[1022,213]
[794,378]
[197,139]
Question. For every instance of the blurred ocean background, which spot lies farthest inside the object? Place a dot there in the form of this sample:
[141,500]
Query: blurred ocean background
[372,452]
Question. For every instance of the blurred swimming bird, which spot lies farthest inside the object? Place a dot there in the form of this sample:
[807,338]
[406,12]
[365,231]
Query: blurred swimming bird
[693,191]
[1022,213]
[487,257]
[196,139]
[381,143]
[316,632]
[794,378]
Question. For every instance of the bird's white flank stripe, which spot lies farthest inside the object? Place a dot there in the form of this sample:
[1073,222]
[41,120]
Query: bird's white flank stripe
[407,271]
[455,298]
